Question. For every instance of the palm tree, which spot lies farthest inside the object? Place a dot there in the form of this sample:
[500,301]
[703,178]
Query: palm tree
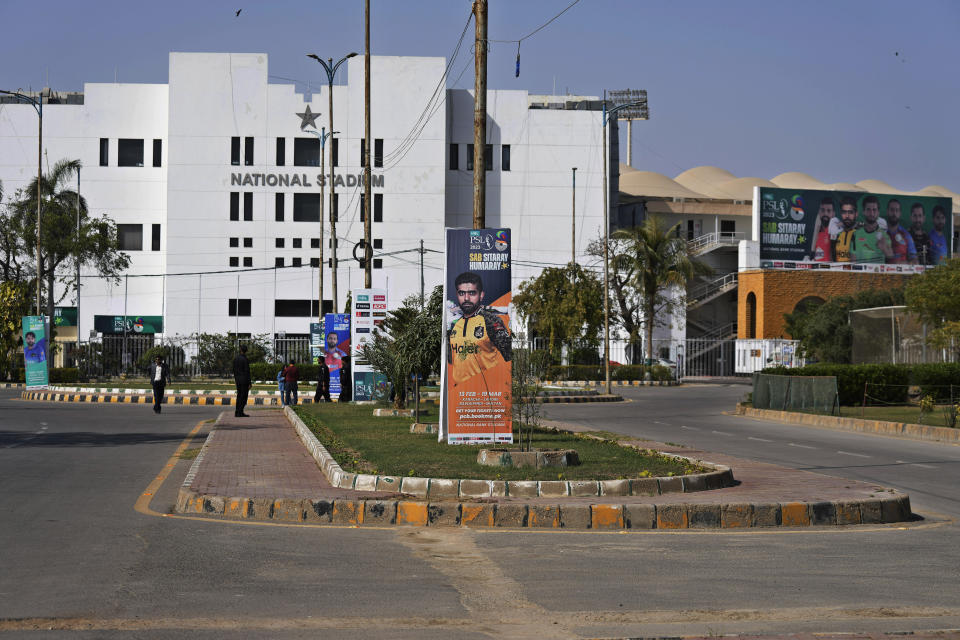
[95,243]
[656,256]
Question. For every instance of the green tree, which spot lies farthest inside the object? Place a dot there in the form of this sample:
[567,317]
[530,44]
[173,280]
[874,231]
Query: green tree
[652,262]
[95,245]
[934,296]
[824,330]
[216,351]
[15,303]
[562,304]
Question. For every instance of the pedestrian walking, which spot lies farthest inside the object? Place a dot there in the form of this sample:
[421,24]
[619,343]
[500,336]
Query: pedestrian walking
[323,381]
[280,385]
[291,375]
[241,374]
[159,377]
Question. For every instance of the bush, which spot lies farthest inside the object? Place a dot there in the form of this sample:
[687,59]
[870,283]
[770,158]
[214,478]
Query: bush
[892,380]
[64,375]
[597,373]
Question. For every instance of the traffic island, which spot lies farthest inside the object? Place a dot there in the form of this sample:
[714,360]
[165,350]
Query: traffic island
[320,492]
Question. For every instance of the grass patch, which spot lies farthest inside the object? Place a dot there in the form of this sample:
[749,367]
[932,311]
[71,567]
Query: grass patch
[190,454]
[361,443]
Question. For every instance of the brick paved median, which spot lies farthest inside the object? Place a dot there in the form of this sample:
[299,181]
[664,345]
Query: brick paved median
[257,467]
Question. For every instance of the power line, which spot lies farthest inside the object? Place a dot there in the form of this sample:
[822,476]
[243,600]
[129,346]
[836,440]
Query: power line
[569,6]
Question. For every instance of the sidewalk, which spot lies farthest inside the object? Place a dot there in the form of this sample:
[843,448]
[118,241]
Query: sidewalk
[258,467]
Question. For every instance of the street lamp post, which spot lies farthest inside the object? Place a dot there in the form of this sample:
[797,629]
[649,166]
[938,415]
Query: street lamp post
[606,239]
[331,70]
[37,104]
[322,135]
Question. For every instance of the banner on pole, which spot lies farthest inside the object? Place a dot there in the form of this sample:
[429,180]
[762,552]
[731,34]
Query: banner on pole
[477,350]
[369,312]
[336,347]
[35,352]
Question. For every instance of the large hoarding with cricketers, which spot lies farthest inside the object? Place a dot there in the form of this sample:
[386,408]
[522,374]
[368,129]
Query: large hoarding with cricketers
[851,230]
[477,351]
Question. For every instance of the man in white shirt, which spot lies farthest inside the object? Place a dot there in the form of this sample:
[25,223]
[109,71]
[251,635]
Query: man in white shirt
[159,377]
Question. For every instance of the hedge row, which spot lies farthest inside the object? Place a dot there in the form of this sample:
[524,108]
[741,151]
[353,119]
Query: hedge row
[267,371]
[55,375]
[888,382]
[619,372]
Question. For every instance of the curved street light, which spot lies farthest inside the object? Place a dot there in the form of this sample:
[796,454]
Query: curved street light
[322,135]
[331,70]
[606,241]
[37,104]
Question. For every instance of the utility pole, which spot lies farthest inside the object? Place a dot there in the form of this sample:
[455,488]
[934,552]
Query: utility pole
[480,116]
[333,197]
[606,257]
[573,228]
[421,273]
[78,267]
[367,221]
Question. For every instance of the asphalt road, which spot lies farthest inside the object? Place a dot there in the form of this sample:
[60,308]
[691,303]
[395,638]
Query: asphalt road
[77,558]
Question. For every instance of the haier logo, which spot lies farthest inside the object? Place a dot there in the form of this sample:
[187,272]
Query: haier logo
[379,306]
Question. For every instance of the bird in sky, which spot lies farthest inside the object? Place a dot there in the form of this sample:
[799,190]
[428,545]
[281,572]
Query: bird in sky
[238,13]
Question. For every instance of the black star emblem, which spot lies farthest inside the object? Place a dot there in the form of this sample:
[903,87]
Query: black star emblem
[308,119]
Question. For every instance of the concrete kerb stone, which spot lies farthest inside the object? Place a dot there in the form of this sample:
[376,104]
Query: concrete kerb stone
[446,511]
[882,427]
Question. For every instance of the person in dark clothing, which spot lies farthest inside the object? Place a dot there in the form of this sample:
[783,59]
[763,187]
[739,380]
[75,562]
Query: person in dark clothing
[159,377]
[291,375]
[323,381]
[346,382]
[241,374]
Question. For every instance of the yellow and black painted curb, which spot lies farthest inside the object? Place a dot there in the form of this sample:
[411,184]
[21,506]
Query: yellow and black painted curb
[624,516]
[147,398]
[880,427]
[575,399]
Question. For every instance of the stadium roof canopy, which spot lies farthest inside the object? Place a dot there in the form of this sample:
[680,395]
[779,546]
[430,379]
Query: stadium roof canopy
[713,183]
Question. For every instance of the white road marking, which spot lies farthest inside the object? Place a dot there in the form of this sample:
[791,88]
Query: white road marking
[722,433]
[847,453]
[802,446]
[916,464]
[683,426]
[759,439]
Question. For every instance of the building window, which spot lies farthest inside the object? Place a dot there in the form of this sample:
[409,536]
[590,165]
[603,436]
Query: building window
[281,151]
[248,206]
[298,243]
[314,262]
[234,205]
[234,261]
[248,151]
[297,262]
[363,207]
[242,309]
[335,214]
[278,207]
[155,238]
[306,152]
[234,242]
[751,313]
[487,157]
[278,262]
[505,158]
[278,243]
[130,237]
[129,153]
[454,157]
[235,150]
[157,152]
[314,243]
[377,243]
[248,261]
[335,151]
[377,263]
[728,228]
[469,157]
[306,207]
[331,242]
[104,152]
[248,242]
[378,207]
[295,308]
[377,152]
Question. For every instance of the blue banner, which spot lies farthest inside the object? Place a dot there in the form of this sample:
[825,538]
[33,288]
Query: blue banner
[35,351]
[336,347]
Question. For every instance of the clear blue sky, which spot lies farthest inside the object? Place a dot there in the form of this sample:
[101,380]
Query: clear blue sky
[843,90]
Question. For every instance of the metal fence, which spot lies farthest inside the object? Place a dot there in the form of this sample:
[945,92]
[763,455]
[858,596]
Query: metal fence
[110,356]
